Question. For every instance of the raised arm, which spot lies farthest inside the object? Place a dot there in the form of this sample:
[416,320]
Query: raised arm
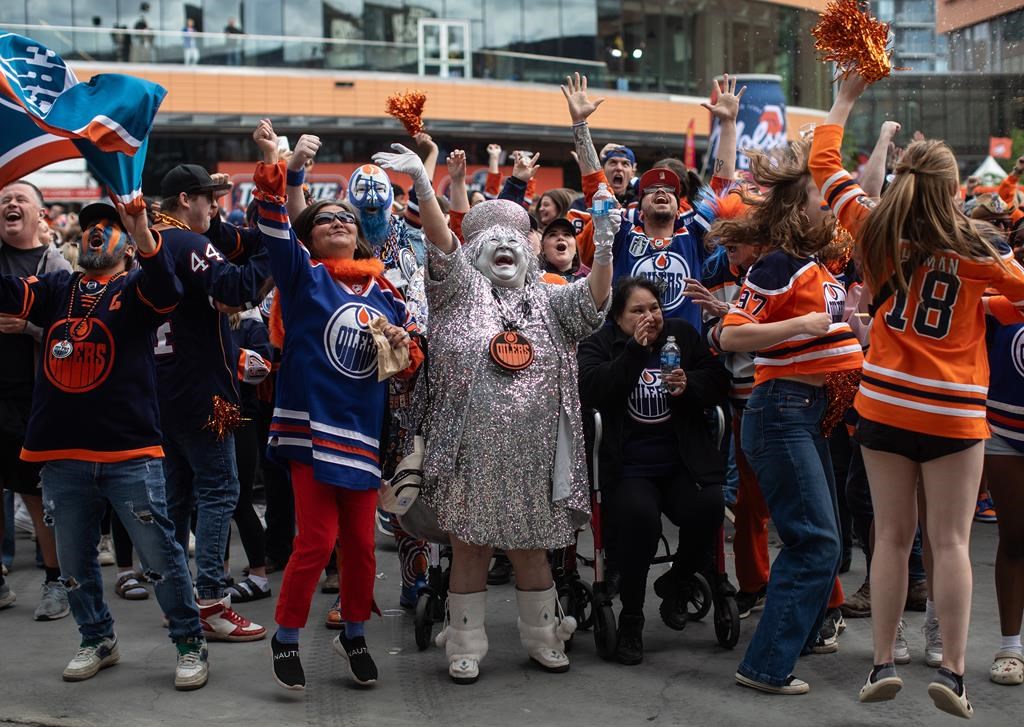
[405,160]
[458,195]
[849,91]
[873,176]
[305,151]
[726,108]
[428,147]
[581,106]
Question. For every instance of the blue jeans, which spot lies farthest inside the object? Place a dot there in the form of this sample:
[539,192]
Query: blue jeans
[202,475]
[782,439]
[75,497]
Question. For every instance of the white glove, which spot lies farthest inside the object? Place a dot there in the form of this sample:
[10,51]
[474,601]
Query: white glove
[408,162]
[605,229]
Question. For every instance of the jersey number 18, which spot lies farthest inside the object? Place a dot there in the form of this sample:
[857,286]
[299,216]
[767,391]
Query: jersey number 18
[934,312]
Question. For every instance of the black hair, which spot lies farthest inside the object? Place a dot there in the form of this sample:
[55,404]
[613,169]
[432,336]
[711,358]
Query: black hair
[398,189]
[303,226]
[624,287]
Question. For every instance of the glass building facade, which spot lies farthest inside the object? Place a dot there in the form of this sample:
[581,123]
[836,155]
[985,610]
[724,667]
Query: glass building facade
[667,46]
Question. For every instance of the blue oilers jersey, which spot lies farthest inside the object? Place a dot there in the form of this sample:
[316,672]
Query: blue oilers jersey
[668,262]
[1005,405]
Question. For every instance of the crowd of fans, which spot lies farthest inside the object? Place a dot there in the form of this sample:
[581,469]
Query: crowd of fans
[847,326]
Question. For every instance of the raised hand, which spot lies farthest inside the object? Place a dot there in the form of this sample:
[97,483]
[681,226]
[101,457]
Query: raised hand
[890,129]
[425,141]
[266,140]
[727,104]
[305,151]
[402,159]
[525,167]
[457,166]
[581,106]
[136,224]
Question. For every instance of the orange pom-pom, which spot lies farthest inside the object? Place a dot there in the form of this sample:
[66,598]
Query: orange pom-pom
[408,108]
[840,389]
[225,419]
[849,36]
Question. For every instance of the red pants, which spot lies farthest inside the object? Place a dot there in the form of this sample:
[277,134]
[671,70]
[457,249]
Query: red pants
[326,514]
[750,544]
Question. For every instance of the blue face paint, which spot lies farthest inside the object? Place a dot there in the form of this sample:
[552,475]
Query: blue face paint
[370,188]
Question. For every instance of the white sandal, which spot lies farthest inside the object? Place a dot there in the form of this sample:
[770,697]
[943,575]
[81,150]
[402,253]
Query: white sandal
[1007,668]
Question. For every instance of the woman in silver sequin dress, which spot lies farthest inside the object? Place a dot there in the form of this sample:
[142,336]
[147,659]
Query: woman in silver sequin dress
[504,457]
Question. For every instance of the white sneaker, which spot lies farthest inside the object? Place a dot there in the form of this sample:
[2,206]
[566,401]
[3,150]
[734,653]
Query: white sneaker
[192,670]
[91,658]
[932,642]
[900,649]
[221,623]
[106,550]
[53,604]
[22,519]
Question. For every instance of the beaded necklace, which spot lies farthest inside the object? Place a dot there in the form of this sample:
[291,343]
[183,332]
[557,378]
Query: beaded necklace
[64,348]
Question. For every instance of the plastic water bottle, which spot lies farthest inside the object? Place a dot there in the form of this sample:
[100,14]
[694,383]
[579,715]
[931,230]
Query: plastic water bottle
[670,359]
[603,201]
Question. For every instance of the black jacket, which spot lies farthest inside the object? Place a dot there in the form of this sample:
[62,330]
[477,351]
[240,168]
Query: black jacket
[610,365]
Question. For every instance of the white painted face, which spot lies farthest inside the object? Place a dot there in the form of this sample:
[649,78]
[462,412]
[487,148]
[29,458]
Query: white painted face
[503,258]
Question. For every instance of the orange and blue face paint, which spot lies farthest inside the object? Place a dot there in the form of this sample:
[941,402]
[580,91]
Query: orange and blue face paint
[103,245]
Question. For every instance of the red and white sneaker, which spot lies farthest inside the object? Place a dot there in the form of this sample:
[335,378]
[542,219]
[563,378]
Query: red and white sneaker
[220,623]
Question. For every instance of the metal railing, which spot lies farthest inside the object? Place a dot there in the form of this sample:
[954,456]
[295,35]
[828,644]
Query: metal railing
[174,47]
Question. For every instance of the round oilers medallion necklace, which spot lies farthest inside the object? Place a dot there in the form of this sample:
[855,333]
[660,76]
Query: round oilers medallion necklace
[64,348]
[510,349]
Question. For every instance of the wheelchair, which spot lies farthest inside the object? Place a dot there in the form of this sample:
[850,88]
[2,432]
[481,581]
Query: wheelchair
[592,606]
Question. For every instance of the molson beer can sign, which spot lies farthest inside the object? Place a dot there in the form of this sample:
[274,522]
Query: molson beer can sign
[761,123]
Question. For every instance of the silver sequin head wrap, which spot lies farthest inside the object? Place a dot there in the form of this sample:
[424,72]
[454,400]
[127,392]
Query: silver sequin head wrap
[495,213]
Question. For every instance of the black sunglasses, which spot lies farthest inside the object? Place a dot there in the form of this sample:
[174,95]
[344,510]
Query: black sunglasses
[326,218]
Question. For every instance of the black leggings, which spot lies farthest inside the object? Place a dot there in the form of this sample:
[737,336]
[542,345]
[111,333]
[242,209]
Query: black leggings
[638,505]
[250,529]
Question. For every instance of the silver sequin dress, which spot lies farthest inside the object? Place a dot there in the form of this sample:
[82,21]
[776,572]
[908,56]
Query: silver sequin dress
[490,468]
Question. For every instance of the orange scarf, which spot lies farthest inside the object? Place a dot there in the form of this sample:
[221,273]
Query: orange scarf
[342,270]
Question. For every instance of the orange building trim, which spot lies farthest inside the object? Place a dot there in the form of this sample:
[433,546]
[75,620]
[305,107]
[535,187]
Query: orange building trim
[955,14]
[278,92]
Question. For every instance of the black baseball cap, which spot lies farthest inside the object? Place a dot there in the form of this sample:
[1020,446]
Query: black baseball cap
[191,179]
[560,223]
[93,213]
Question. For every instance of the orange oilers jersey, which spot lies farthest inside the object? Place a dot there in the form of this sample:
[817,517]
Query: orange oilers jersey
[779,287]
[926,368]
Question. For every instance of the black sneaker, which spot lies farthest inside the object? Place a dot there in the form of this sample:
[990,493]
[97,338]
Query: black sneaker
[629,647]
[828,635]
[674,596]
[747,603]
[501,572]
[287,666]
[360,663]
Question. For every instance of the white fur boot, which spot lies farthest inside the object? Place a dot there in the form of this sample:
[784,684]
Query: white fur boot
[463,638]
[544,629]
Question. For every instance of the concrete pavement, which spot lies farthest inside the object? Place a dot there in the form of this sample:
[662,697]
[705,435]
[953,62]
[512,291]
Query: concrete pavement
[686,678]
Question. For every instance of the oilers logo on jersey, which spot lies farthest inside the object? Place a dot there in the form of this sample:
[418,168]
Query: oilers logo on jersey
[348,341]
[1017,351]
[835,301]
[647,402]
[669,269]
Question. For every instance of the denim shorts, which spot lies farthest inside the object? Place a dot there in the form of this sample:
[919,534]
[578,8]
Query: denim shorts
[1001,446]
[915,446]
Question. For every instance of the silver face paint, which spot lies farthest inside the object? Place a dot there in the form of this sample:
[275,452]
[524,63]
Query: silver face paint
[503,257]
